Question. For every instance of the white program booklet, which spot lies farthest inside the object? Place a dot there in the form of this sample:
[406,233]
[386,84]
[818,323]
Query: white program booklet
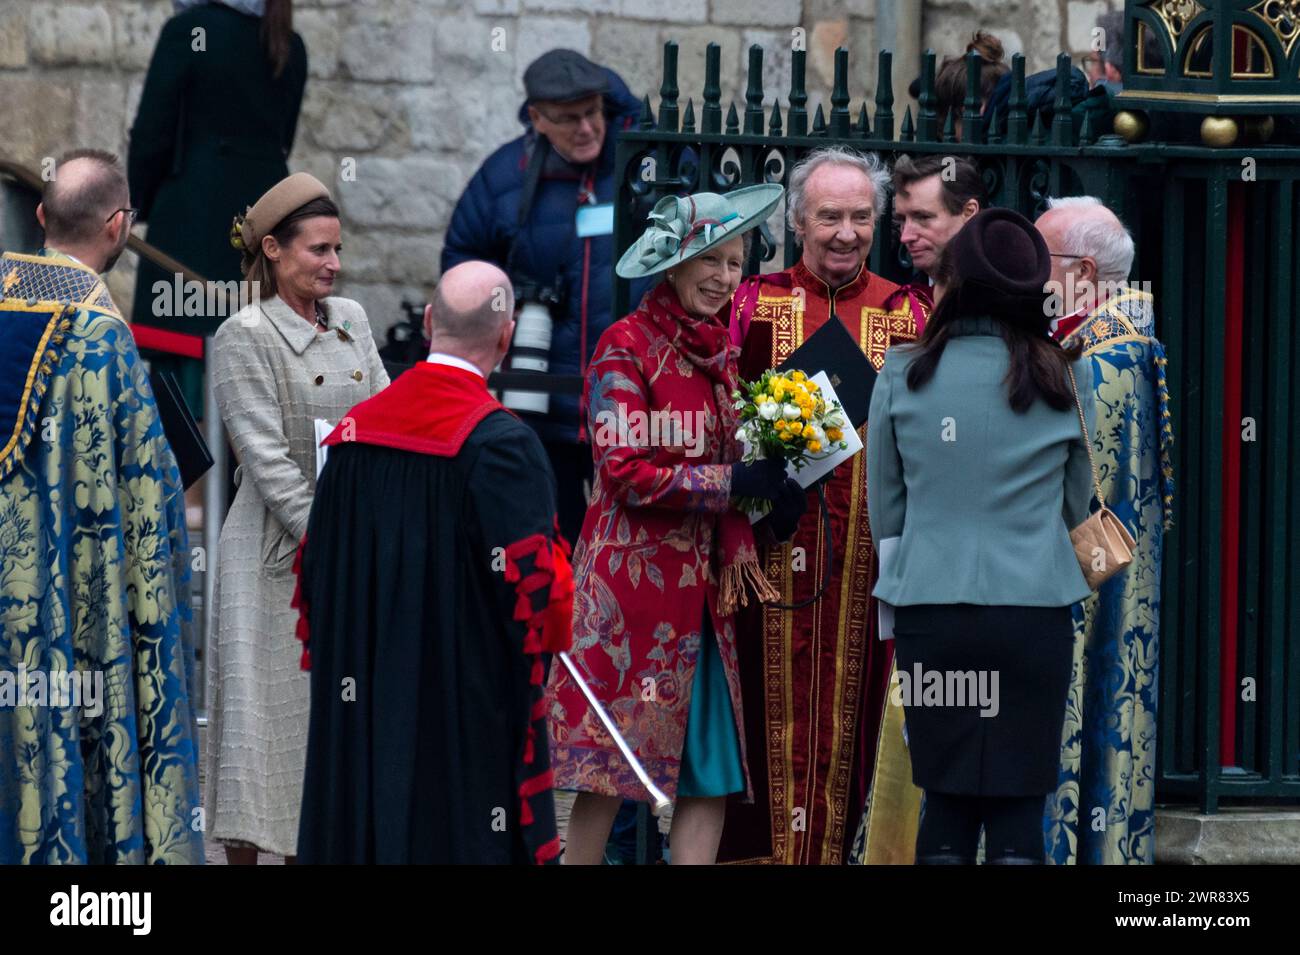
[323,431]
[886,550]
[816,470]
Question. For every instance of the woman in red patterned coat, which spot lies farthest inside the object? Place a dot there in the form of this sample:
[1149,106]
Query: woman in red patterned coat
[665,557]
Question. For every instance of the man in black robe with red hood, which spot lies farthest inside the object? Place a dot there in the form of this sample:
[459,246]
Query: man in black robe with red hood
[432,580]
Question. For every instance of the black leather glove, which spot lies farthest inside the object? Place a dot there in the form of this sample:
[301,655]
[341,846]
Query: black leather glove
[787,508]
[764,478]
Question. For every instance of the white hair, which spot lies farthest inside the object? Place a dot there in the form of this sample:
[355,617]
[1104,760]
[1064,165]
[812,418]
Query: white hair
[1104,239]
[868,164]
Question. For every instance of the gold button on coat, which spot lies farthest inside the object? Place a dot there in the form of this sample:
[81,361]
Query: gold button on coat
[320,379]
[356,375]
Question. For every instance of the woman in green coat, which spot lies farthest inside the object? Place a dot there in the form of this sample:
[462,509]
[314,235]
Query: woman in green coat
[213,132]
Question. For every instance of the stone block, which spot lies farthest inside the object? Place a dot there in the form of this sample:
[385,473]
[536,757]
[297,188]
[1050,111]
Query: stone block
[66,34]
[388,43]
[13,34]
[471,51]
[415,192]
[100,119]
[321,35]
[749,12]
[37,118]
[351,117]
[135,33]
[436,122]
[814,10]
[324,166]
[1081,20]
[1237,836]
[633,50]
[672,11]
[534,35]
[1045,39]
[405,259]
[585,7]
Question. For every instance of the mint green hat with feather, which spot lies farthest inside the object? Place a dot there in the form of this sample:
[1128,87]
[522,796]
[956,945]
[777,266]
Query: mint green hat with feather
[681,227]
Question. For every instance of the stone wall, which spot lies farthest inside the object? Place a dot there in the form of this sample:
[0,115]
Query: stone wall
[418,92]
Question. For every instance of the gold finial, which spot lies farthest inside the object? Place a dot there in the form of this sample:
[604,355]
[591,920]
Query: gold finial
[1131,124]
[1219,131]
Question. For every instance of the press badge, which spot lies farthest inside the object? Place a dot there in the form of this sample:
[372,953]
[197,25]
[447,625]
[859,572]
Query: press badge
[595,220]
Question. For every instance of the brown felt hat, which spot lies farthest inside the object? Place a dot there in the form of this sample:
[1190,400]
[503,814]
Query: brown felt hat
[280,200]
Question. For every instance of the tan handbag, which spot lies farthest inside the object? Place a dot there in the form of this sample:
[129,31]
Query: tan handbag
[1102,543]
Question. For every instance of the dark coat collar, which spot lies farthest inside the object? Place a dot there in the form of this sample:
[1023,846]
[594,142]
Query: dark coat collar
[975,325]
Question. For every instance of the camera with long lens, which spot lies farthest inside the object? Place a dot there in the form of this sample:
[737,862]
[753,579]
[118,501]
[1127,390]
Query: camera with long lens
[406,343]
[530,350]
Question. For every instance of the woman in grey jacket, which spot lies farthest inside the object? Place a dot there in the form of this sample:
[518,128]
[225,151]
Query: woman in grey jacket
[976,464]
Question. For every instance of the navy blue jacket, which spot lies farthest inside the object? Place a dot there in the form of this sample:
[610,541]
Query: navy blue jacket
[549,251]
[1040,97]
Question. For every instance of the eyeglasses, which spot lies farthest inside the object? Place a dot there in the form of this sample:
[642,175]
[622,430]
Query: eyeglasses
[131,214]
[1067,255]
[574,120]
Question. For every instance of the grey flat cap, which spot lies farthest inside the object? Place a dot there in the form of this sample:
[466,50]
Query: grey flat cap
[562,75]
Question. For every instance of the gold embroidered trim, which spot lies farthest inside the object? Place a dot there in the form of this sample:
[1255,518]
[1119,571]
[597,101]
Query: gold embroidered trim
[38,373]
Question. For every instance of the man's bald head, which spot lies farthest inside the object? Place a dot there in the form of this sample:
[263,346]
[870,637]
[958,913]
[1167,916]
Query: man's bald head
[1079,226]
[470,305]
[472,314]
[88,187]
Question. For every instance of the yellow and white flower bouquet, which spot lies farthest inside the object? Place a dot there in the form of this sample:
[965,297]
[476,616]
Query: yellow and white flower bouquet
[786,415]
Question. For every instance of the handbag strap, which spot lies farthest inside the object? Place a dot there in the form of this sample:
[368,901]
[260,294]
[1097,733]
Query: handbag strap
[1087,438]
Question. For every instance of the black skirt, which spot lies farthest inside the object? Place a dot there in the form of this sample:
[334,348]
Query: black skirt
[984,691]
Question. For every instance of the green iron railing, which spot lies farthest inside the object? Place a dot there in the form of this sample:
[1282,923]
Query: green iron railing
[1211,242]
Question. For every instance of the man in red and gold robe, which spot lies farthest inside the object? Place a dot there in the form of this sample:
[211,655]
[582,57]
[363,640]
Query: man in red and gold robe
[814,679]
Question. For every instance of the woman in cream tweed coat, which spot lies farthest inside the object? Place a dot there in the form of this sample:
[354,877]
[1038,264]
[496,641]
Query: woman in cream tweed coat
[278,364]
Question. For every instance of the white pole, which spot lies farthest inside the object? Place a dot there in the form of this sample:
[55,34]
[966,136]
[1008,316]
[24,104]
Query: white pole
[214,510]
[660,800]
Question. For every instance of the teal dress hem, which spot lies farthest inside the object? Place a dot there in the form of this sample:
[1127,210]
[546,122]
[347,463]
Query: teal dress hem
[711,762]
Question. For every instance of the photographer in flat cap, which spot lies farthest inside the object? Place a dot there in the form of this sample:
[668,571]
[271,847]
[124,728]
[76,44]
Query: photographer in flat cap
[541,208]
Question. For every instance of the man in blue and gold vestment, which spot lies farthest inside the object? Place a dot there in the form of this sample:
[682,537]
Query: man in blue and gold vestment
[98,746]
[1103,811]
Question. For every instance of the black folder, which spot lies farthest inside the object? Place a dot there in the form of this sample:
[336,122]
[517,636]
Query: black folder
[832,349]
[192,455]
